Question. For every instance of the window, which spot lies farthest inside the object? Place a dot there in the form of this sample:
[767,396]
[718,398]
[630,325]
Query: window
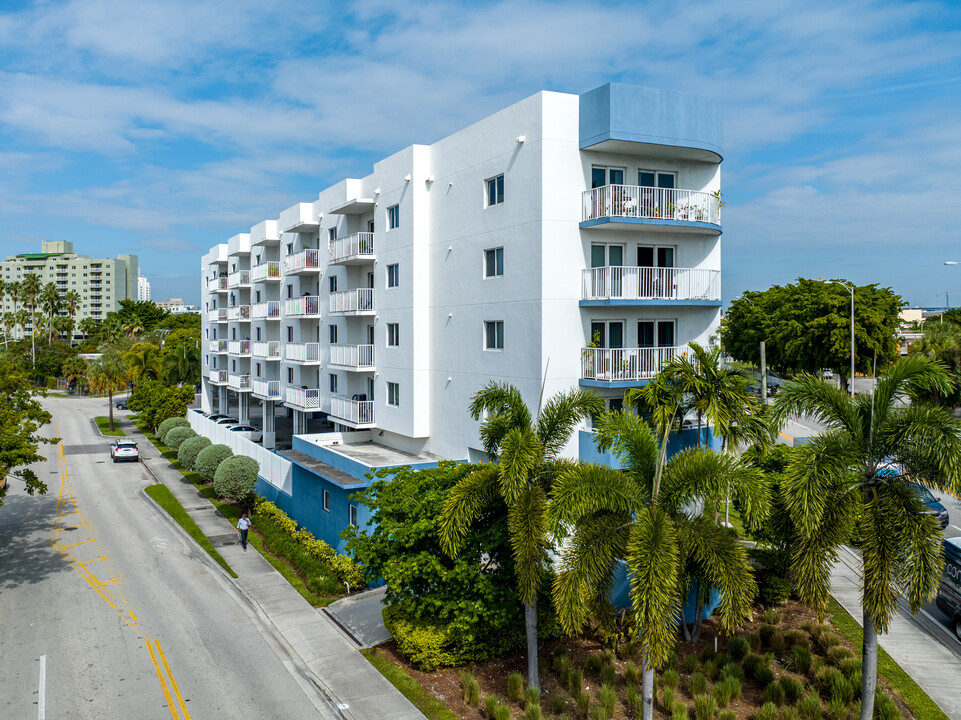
[290,333]
[331,234]
[494,262]
[326,500]
[290,376]
[393,275]
[393,394]
[332,333]
[393,217]
[393,334]
[655,333]
[332,283]
[258,369]
[494,335]
[333,383]
[495,191]
[601,176]
[353,515]
[653,178]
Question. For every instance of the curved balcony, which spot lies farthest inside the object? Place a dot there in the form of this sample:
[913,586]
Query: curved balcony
[624,285]
[353,413]
[266,389]
[303,353]
[305,307]
[240,383]
[352,302]
[269,350]
[352,357]
[610,205]
[356,249]
[623,367]
[302,398]
[266,272]
[269,310]
[306,261]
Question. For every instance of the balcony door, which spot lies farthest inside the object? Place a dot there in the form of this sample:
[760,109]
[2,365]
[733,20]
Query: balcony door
[608,333]
[607,284]
[655,333]
[656,279]
[601,176]
[657,191]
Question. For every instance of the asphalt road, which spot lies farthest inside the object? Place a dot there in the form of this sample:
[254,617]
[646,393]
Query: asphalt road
[107,614]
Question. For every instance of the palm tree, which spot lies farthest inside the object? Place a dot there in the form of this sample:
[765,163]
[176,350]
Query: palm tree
[525,448]
[72,302]
[50,302]
[3,293]
[874,447]
[75,369]
[108,373]
[88,326]
[182,364]
[14,291]
[30,290]
[642,515]
[9,321]
[143,362]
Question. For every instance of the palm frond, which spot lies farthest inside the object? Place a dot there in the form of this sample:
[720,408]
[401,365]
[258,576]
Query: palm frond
[909,377]
[631,441]
[527,527]
[504,409]
[882,530]
[521,455]
[589,489]
[809,395]
[815,467]
[561,414]
[926,440]
[466,501]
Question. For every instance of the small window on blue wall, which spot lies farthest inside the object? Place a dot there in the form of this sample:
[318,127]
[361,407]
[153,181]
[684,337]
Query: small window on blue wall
[353,515]
[327,500]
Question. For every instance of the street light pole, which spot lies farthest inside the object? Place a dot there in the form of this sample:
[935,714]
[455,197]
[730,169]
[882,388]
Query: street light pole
[850,289]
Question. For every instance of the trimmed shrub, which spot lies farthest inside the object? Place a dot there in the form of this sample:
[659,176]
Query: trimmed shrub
[635,701]
[809,707]
[799,659]
[583,702]
[557,704]
[576,683]
[633,674]
[850,666]
[764,676]
[774,693]
[471,688]
[884,707]
[236,479]
[209,459]
[691,664]
[609,675]
[726,715]
[771,616]
[532,711]
[669,699]
[737,647]
[168,425]
[490,706]
[593,664]
[724,691]
[793,689]
[797,637]
[768,711]
[680,713]
[696,684]
[670,678]
[502,712]
[607,697]
[532,696]
[765,633]
[189,448]
[838,653]
[600,713]
[177,435]
[704,707]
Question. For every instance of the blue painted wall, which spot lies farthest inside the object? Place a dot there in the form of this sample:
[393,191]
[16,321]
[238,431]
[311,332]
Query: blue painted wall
[648,115]
[588,452]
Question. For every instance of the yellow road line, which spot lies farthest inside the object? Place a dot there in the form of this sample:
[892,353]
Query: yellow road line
[173,683]
[59,548]
[163,682]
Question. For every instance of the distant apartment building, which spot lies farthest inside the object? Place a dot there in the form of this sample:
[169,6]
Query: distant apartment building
[101,283]
[176,306]
[565,241]
[143,289]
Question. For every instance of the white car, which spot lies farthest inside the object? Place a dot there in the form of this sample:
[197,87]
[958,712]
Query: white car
[124,450]
[225,420]
[248,431]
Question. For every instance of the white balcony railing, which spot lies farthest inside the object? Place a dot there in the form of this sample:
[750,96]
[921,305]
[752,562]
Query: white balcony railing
[358,247]
[240,383]
[356,412]
[648,203]
[218,346]
[240,278]
[217,284]
[269,389]
[352,301]
[218,315]
[647,283]
[305,260]
[218,377]
[307,306]
[239,347]
[303,352]
[357,357]
[625,364]
[265,271]
[238,312]
[269,310]
[302,398]
[269,350]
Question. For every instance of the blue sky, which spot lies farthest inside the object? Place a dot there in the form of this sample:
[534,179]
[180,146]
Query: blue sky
[162,128]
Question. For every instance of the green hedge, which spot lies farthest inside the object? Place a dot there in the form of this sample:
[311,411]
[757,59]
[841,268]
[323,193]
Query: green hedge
[169,424]
[236,479]
[189,449]
[176,437]
[209,459]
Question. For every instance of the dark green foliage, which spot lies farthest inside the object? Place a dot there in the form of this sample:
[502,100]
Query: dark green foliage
[726,715]
[607,697]
[557,704]
[774,693]
[632,674]
[771,616]
[532,695]
[726,691]
[609,675]
[732,670]
[799,659]
[670,678]
[835,655]
[696,684]
[838,709]
[156,401]
[752,662]
[169,424]
[21,419]
[600,713]
[532,711]
[490,706]
[209,459]
[593,664]
[764,676]
[793,688]
[722,659]
[583,702]
[576,682]
[789,713]
[827,640]
[704,707]
[711,669]
[778,644]
[832,684]
[502,712]
[797,637]
[707,652]
[768,711]
[189,449]
[809,707]
[515,686]
[885,708]
[737,647]
[235,479]
[680,713]
[765,632]
[176,436]
[849,666]
[691,664]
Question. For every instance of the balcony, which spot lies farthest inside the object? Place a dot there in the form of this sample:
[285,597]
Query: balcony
[352,357]
[218,346]
[302,398]
[299,218]
[218,377]
[355,249]
[218,315]
[303,353]
[353,413]
[267,389]
[240,383]
[623,285]
[306,261]
[664,207]
[266,272]
[269,310]
[306,307]
[269,350]
[217,284]
[623,367]
[238,313]
[239,279]
[239,347]
[352,302]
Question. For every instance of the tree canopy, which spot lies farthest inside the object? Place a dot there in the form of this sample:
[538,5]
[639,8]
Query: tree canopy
[21,419]
[806,326]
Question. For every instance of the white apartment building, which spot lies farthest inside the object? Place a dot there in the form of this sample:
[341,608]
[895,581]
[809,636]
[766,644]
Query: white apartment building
[143,289]
[101,283]
[567,240]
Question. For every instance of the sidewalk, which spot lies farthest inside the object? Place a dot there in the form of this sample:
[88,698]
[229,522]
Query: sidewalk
[921,653]
[323,653]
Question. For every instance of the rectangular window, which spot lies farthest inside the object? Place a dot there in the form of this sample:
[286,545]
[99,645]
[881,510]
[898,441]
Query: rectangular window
[326,500]
[332,333]
[495,190]
[290,333]
[393,217]
[393,394]
[393,275]
[353,515]
[393,334]
[332,234]
[258,370]
[494,262]
[332,283]
[333,383]
[494,335]
[290,376]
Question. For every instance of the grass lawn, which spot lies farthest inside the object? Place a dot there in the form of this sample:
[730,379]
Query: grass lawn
[433,708]
[103,422]
[168,502]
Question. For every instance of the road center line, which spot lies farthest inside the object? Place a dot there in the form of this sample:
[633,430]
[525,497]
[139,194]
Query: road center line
[42,689]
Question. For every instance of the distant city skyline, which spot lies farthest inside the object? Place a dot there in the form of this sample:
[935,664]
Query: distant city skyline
[164,127]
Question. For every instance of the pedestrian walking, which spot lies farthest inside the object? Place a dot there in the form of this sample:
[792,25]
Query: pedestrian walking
[243,525]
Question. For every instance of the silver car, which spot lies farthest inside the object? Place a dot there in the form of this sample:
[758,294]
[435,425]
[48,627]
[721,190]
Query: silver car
[124,450]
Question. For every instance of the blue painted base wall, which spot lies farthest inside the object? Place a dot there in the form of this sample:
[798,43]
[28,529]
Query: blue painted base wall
[588,452]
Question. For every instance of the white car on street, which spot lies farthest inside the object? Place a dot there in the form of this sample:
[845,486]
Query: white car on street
[121,450]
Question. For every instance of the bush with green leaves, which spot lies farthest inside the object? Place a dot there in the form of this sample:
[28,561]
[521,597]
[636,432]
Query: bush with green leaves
[793,688]
[209,459]
[470,686]
[176,436]
[168,425]
[532,711]
[705,707]
[696,684]
[670,678]
[799,659]
[157,401]
[774,692]
[557,703]
[515,686]
[809,707]
[737,647]
[189,448]
[236,479]
[490,706]
[768,711]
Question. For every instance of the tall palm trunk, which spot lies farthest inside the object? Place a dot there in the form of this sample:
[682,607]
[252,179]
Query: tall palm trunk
[110,406]
[869,666]
[530,626]
[647,691]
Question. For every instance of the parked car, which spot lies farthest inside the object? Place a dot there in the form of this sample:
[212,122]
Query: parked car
[122,404]
[933,505]
[227,420]
[216,416]
[248,431]
[122,449]
[948,599]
